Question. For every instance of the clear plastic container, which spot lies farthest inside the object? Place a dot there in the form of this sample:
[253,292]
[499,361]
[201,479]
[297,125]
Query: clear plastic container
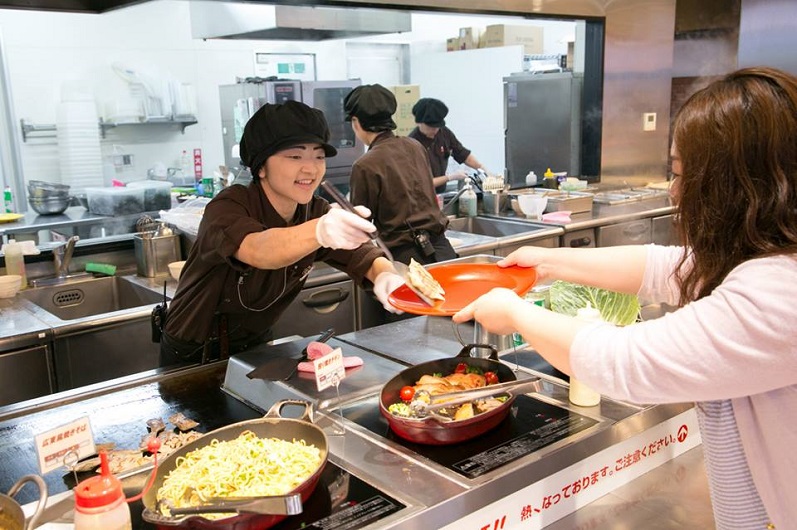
[581,394]
[468,202]
[116,200]
[157,194]
[15,261]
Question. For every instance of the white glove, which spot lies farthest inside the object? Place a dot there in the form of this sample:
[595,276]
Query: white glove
[341,229]
[460,174]
[384,284]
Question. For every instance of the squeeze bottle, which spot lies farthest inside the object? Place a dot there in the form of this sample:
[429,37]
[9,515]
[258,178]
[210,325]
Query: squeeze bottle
[467,202]
[549,179]
[100,502]
[15,261]
[580,394]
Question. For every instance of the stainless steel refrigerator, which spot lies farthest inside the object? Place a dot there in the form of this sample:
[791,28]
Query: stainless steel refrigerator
[241,100]
[542,124]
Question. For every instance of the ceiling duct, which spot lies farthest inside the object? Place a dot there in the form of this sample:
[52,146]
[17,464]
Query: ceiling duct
[226,20]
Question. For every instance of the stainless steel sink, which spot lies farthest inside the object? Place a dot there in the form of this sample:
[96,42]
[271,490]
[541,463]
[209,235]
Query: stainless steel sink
[90,296]
[488,226]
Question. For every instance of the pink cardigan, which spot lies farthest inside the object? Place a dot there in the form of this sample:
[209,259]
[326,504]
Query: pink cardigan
[739,343]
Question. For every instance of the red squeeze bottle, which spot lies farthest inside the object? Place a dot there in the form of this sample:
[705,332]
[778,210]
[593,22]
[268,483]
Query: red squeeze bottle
[100,502]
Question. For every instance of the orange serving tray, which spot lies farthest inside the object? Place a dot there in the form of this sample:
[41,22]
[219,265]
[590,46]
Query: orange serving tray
[464,283]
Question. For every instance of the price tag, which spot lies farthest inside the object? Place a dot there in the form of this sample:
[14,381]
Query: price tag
[75,437]
[329,369]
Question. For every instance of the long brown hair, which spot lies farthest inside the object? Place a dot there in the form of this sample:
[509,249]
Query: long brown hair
[737,142]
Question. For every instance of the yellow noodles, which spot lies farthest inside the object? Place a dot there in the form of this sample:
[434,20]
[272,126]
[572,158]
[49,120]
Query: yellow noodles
[247,466]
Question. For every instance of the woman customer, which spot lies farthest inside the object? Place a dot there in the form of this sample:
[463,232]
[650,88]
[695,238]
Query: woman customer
[730,345]
[393,179]
[257,243]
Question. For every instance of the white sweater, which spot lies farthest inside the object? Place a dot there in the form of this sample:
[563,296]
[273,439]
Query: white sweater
[739,343]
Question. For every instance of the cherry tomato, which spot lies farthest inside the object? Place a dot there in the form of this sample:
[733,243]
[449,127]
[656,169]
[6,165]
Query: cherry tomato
[406,393]
[461,368]
[491,377]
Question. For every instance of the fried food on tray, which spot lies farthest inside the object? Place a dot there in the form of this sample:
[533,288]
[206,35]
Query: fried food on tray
[419,278]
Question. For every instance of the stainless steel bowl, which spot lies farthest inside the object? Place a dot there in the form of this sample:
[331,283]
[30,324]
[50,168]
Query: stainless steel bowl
[50,205]
[41,189]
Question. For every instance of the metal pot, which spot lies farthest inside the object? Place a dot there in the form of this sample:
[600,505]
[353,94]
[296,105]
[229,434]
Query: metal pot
[272,425]
[11,515]
[430,430]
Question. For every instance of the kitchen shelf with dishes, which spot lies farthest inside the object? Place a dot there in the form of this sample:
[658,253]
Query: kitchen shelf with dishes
[34,130]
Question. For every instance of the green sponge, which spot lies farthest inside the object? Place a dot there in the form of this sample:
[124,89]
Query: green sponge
[101,268]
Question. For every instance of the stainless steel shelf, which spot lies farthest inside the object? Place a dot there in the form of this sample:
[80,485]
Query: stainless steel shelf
[49,130]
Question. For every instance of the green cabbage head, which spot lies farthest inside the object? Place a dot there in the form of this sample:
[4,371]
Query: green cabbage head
[617,308]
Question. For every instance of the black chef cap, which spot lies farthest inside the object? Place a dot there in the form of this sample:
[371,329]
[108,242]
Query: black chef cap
[373,105]
[275,127]
[430,111]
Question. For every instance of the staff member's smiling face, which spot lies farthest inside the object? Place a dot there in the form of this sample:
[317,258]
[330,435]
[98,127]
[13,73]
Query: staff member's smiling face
[290,176]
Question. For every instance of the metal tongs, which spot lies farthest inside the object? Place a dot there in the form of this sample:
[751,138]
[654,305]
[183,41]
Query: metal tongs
[401,268]
[420,408]
[272,505]
[349,207]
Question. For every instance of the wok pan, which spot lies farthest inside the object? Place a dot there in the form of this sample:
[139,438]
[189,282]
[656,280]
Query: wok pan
[272,425]
[431,430]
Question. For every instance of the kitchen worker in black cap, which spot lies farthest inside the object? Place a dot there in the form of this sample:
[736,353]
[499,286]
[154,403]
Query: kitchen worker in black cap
[440,142]
[394,180]
[257,243]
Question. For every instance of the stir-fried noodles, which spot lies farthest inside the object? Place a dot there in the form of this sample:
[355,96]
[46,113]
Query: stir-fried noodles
[247,466]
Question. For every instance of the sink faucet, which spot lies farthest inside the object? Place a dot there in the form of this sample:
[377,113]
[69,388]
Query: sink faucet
[455,198]
[62,256]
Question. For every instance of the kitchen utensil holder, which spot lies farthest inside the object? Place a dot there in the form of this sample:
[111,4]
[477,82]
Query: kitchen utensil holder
[154,253]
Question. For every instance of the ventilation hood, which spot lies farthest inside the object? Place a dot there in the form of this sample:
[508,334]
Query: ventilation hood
[226,20]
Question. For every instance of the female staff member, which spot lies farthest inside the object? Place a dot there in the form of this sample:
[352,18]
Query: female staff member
[257,243]
[440,142]
[729,345]
[393,179]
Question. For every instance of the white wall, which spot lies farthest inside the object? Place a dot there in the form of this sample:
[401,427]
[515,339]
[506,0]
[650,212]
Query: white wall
[44,49]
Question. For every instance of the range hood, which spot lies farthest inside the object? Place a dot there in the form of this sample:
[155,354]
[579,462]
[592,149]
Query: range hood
[229,20]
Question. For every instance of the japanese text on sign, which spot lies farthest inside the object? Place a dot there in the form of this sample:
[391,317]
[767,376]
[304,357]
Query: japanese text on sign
[329,369]
[53,445]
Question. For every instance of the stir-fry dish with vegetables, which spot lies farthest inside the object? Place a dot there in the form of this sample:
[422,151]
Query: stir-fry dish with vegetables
[465,377]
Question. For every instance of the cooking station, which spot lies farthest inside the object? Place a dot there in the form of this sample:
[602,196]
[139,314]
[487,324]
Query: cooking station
[374,479]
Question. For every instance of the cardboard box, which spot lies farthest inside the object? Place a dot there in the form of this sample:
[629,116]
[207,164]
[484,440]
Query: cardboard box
[406,97]
[468,38]
[452,44]
[530,37]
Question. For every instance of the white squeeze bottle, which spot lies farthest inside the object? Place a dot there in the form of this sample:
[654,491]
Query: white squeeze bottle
[581,394]
[100,502]
[15,260]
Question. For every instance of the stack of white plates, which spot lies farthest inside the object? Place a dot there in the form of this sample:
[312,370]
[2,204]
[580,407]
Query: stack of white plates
[78,133]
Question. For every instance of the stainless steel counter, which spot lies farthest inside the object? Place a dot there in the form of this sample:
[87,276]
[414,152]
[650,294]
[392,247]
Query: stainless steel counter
[434,496]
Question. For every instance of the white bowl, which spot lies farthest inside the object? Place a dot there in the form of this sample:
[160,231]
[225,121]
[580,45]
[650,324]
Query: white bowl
[532,205]
[176,268]
[9,285]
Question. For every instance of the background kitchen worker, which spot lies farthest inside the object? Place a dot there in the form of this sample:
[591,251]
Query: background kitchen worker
[440,142]
[393,179]
[257,243]
[728,346]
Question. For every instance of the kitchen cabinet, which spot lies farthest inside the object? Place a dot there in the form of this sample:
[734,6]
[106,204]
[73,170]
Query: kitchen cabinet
[25,374]
[319,308]
[102,353]
[584,238]
[637,232]
[664,230]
